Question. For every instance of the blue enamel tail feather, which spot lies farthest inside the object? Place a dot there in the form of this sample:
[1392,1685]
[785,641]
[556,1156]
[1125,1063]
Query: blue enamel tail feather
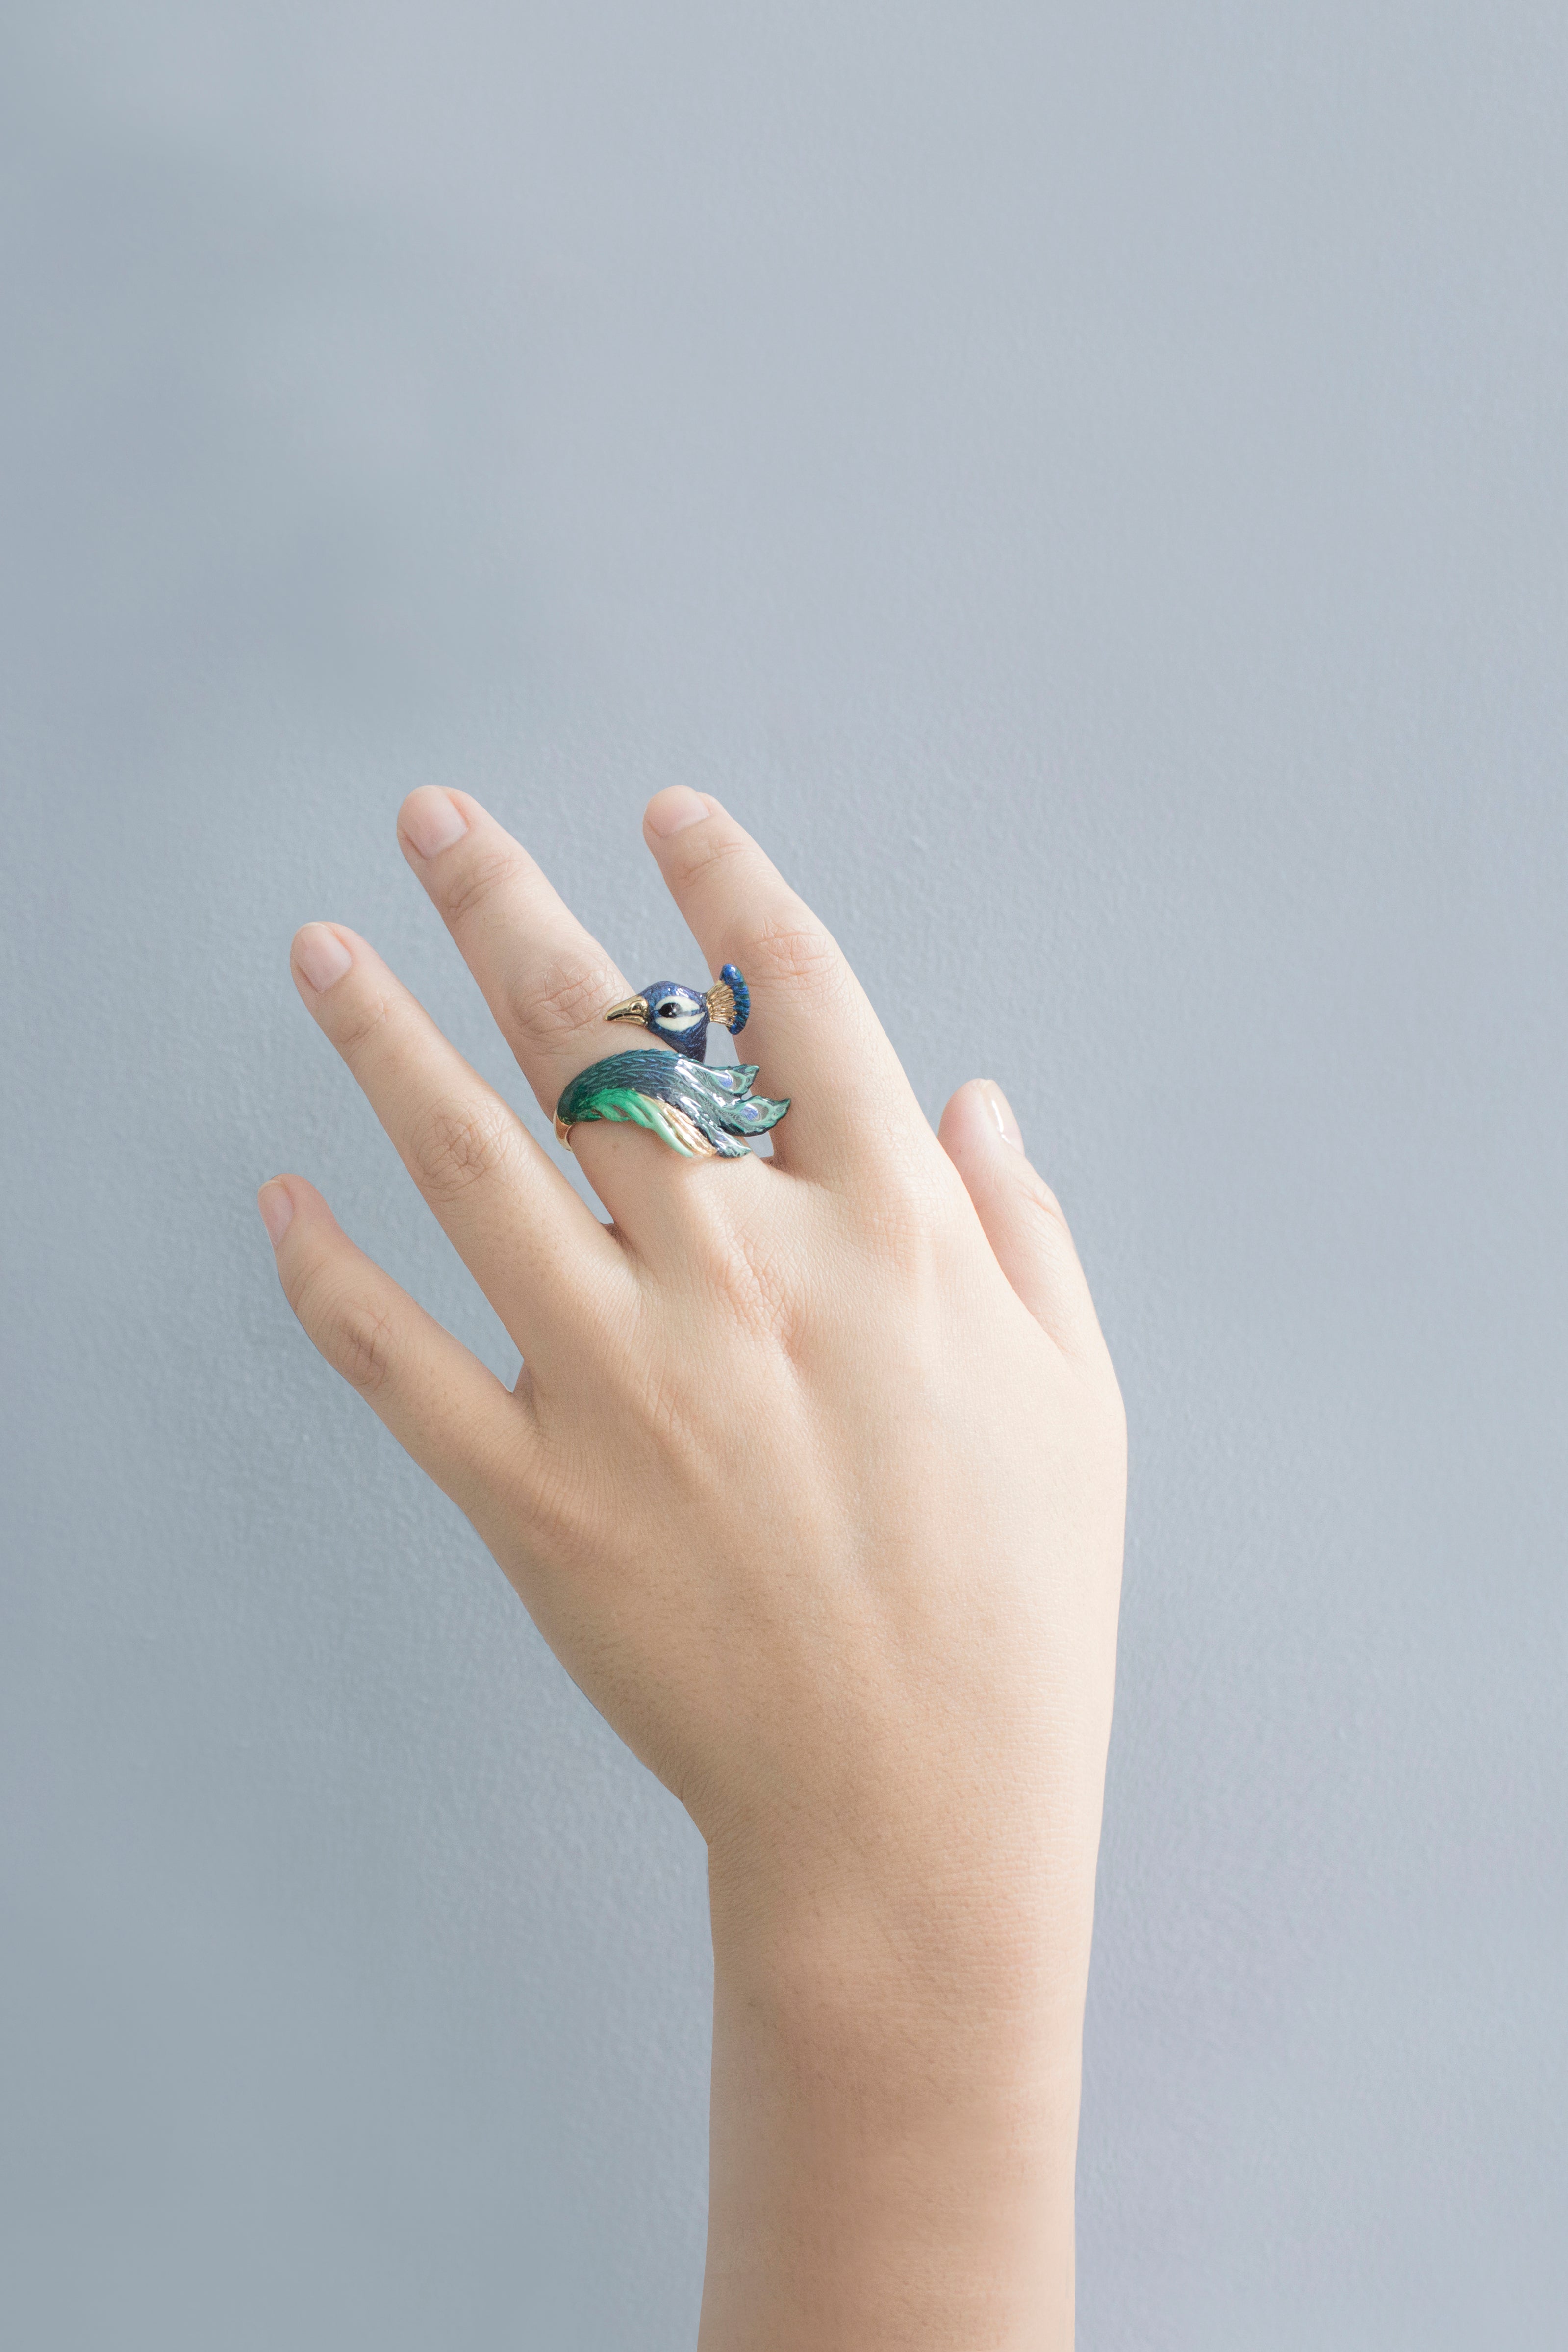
[703,1113]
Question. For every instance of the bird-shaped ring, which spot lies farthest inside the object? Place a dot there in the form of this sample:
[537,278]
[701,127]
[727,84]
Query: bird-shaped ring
[704,1114]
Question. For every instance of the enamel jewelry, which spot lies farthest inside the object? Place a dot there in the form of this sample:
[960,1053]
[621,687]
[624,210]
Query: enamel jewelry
[702,1113]
[680,1016]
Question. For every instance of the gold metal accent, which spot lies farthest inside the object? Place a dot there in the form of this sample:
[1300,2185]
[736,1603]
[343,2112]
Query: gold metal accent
[720,1002]
[691,1134]
[630,1008]
[686,1126]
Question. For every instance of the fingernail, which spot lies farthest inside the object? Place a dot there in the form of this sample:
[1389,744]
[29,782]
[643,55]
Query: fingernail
[433,821]
[668,812]
[1001,1110]
[321,956]
[276,1210]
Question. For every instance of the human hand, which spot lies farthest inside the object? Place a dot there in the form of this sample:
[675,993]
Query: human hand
[812,1480]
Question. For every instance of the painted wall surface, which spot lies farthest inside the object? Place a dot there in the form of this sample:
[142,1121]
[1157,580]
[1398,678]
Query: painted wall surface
[1090,486]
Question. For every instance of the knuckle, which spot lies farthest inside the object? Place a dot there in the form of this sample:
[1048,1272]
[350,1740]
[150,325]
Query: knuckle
[354,1335]
[565,996]
[549,1494]
[483,872]
[359,1345]
[456,1145]
[671,1418]
[359,1023]
[703,849]
[906,1230]
[1042,1206]
[759,1288]
[795,953]
[912,1203]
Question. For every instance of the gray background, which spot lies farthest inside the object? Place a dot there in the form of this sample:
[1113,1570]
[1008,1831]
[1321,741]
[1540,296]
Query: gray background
[1088,487]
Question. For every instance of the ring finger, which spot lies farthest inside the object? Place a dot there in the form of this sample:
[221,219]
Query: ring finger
[549,984]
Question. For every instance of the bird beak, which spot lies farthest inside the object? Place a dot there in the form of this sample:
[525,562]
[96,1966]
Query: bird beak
[631,1008]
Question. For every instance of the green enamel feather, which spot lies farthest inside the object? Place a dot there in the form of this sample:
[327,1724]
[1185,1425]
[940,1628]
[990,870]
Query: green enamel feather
[697,1111]
[640,1110]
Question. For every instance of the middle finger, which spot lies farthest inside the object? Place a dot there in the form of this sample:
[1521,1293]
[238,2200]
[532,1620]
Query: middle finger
[549,983]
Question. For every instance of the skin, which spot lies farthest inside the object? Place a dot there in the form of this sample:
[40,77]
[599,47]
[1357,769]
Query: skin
[814,1481]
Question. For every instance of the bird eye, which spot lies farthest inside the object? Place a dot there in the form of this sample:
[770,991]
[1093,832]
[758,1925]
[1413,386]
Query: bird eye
[667,1007]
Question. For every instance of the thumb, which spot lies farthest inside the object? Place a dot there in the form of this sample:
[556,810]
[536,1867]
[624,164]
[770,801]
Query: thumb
[1021,1215]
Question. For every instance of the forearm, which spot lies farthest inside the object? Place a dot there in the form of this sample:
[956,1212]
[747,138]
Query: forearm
[894,2129]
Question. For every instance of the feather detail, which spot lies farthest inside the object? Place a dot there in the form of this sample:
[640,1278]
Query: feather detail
[667,1120]
[735,1019]
[699,1112]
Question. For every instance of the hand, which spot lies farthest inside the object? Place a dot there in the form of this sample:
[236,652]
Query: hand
[812,1480]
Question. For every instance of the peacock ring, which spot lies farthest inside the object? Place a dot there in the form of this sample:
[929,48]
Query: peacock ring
[703,1113]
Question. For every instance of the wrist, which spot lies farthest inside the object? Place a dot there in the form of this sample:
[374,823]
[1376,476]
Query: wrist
[896,2072]
[1007,1958]
[979,1923]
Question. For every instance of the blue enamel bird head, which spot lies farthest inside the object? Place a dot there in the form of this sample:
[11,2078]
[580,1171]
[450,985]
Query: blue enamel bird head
[681,1015]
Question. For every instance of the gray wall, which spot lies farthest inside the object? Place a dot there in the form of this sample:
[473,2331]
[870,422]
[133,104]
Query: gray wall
[1089,486]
